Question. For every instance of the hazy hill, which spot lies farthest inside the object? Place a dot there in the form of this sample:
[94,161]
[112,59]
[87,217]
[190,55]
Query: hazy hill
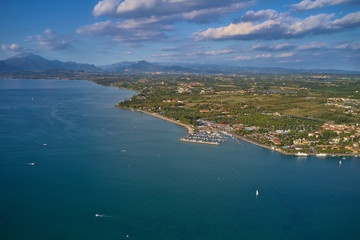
[35,63]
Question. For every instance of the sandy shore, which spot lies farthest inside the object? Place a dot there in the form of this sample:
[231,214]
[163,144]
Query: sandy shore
[262,145]
[188,127]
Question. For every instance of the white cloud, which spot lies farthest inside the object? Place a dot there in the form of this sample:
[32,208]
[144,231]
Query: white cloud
[106,7]
[247,57]
[50,40]
[263,55]
[284,55]
[12,47]
[220,52]
[209,14]
[271,47]
[243,57]
[251,16]
[169,49]
[313,46]
[200,10]
[128,30]
[282,27]
[310,4]
[348,46]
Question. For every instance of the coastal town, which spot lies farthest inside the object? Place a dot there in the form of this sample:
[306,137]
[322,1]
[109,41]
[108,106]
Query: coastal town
[292,117]
[343,140]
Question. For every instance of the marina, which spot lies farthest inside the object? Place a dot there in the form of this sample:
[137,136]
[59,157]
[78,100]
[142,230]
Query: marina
[205,137]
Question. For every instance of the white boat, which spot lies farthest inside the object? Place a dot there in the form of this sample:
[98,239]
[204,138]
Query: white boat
[321,154]
[31,164]
[98,215]
[257,193]
[301,154]
[45,144]
[124,150]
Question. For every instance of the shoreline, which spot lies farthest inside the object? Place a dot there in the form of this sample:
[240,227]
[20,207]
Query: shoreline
[188,127]
[191,130]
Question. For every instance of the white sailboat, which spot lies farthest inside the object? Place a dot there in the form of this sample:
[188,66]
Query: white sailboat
[257,192]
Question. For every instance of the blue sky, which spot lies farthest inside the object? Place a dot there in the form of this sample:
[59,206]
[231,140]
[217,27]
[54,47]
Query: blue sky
[270,33]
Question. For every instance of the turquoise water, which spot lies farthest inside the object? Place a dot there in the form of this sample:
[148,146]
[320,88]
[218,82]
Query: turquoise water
[159,188]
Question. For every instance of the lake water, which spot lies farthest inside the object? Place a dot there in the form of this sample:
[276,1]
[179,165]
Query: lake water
[130,168]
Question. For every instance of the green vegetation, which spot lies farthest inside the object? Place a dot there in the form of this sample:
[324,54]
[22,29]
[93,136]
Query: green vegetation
[282,111]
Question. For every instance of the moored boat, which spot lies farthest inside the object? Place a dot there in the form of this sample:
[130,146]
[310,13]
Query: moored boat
[301,154]
[321,154]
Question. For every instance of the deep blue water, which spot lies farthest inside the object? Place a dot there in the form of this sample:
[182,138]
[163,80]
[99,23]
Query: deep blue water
[159,188]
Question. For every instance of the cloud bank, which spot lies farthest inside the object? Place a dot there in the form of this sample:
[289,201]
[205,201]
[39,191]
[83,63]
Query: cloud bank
[183,9]
[310,4]
[49,40]
[280,26]
[145,20]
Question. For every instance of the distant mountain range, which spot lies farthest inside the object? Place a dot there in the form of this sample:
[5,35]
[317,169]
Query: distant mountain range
[35,63]
[144,66]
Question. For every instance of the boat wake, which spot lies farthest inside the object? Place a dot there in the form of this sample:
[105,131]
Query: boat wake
[98,215]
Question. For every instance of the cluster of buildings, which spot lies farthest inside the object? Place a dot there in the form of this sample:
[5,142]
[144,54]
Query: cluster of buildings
[264,138]
[211,126]
[350,105]
[347,137]
[341,128]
